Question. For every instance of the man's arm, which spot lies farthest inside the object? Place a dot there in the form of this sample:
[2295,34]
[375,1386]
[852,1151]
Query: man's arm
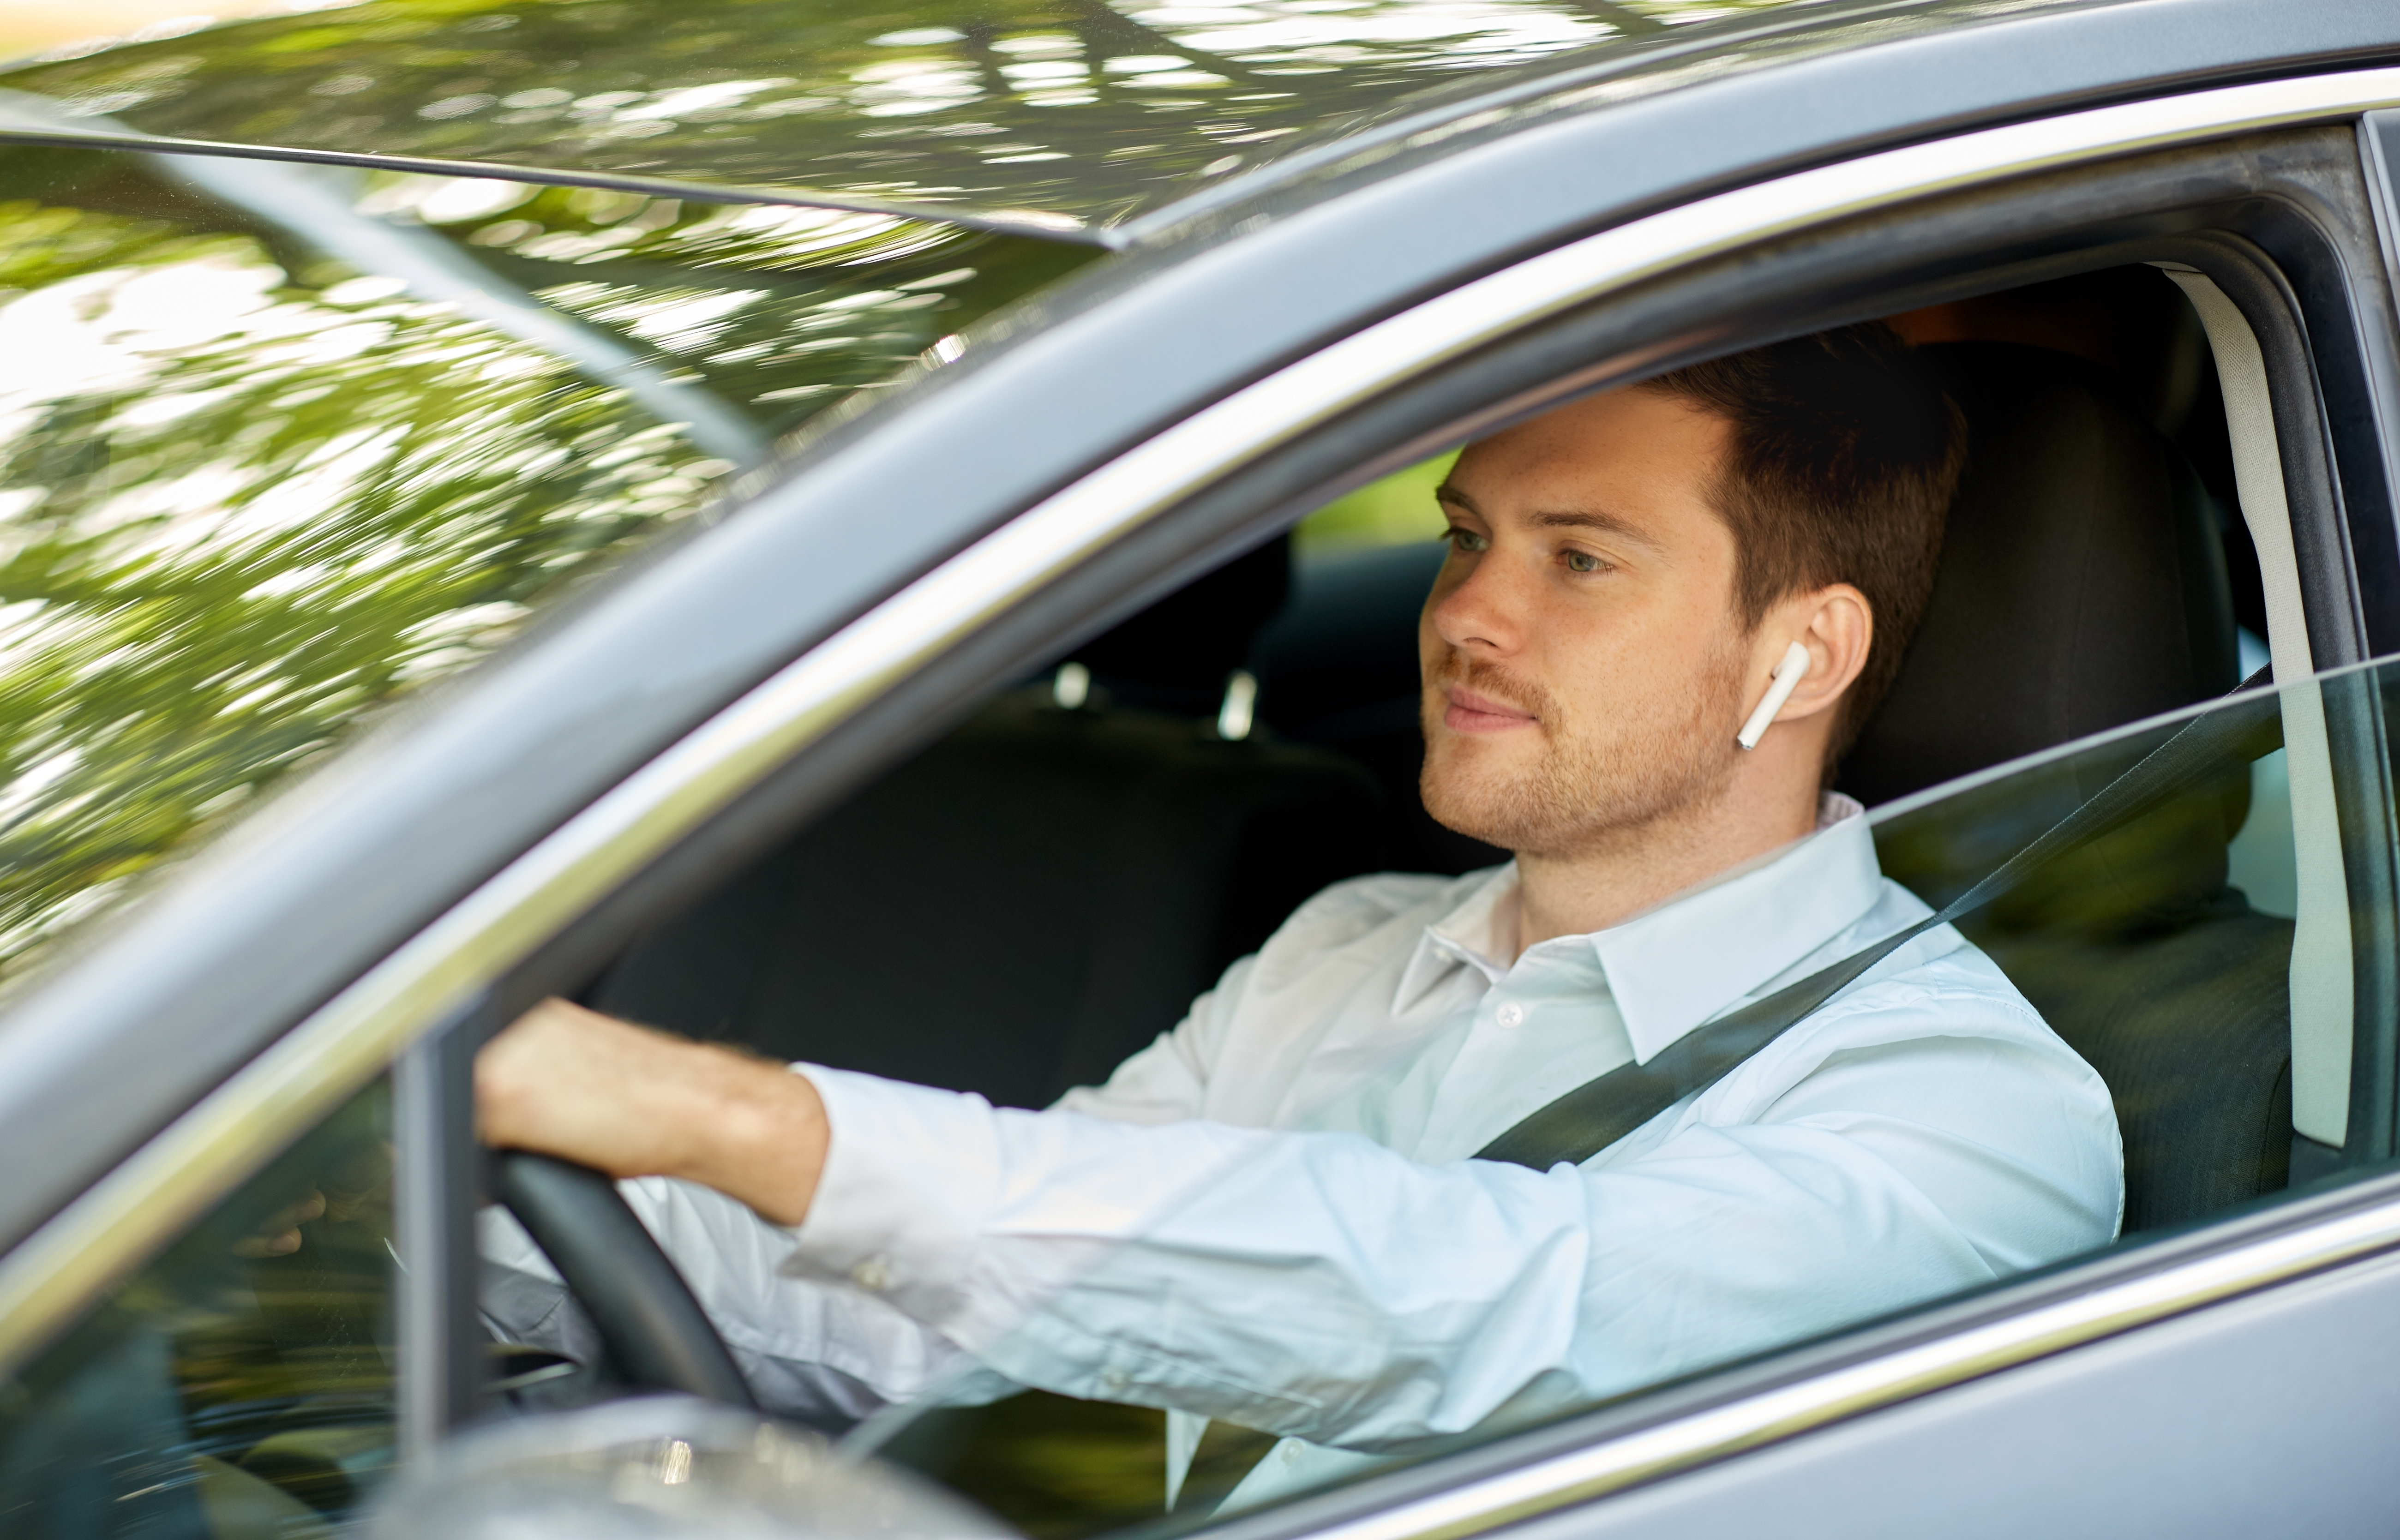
[1324,1287]
[633,1102]
[1906,1144]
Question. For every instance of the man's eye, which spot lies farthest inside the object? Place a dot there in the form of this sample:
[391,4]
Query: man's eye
[1583,561]
[1466,539]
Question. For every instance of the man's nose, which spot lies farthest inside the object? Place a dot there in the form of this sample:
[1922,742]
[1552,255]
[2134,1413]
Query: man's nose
[1478,614]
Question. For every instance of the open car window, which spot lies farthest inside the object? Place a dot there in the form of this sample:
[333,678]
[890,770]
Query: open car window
[1131,824]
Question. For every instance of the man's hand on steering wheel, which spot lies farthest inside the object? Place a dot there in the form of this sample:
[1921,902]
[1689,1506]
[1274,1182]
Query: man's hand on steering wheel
[628,1101]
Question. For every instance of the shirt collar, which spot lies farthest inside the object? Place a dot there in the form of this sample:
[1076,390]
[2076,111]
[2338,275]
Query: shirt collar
[1692,957]
[1673,967]
[1468,933]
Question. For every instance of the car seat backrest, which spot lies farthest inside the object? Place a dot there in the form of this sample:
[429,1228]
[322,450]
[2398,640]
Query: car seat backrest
[2082,586]
[1177,655]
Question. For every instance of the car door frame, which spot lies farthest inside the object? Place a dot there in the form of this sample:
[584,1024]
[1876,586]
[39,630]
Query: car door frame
[1520,368]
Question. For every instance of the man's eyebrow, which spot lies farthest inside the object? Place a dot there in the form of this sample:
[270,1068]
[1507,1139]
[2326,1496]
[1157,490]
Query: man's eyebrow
[1608,523]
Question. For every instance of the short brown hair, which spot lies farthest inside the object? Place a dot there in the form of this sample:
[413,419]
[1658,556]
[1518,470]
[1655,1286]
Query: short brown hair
[1843,456]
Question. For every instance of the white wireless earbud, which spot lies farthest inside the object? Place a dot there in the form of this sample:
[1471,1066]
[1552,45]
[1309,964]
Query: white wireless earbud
[1788,675]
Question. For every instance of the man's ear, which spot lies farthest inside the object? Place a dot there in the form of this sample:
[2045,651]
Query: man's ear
[1837,624]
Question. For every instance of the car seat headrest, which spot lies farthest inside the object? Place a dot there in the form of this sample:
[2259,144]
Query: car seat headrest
[2083,581]
[2082,586]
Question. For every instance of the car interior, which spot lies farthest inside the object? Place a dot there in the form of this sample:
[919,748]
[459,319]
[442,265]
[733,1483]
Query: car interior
[1099,841]
[1105,839]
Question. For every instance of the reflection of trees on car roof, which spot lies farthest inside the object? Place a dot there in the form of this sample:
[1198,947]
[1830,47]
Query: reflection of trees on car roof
[1075,107]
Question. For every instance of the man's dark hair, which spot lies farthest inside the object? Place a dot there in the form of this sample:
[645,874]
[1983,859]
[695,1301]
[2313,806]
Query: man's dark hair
[1844,455]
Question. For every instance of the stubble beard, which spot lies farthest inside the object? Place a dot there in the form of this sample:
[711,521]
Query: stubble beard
[1600,776]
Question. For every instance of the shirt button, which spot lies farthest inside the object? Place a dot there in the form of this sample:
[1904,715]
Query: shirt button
[1509,1014]
[874,1275]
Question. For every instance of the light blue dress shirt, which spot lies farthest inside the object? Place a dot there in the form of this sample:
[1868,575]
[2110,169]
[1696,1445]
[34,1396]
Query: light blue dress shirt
[1270,1216]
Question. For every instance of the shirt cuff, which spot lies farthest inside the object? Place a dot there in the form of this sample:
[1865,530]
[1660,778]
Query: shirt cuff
[910,1174]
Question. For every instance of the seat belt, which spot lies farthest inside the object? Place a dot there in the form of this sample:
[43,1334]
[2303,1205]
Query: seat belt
[1594,1116]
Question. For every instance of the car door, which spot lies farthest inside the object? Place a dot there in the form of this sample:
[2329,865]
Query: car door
[2283,364]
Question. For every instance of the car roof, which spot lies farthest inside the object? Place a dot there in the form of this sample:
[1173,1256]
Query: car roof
[1075,113]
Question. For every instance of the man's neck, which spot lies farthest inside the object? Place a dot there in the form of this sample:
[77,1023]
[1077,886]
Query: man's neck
[1609,879]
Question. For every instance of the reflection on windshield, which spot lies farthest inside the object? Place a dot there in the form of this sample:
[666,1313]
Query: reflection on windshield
[1082,108]
[282,442]
[2188,1001]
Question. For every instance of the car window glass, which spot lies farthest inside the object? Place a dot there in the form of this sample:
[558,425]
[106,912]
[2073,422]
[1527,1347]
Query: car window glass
[286,443]
[2261,861]
[239,1388]
[2161,975]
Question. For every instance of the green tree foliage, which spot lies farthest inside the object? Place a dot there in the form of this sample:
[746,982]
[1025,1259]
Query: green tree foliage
[1393,510]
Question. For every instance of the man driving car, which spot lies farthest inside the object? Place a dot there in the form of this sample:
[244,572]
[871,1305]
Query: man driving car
[1667,610]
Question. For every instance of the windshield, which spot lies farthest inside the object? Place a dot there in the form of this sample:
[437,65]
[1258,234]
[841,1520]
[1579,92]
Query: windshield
[1291,1312]
[284,443]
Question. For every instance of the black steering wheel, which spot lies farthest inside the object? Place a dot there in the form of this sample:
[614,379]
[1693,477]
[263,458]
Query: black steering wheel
[655,1332]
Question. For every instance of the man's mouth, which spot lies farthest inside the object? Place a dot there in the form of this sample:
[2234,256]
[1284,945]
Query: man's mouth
[1471,713]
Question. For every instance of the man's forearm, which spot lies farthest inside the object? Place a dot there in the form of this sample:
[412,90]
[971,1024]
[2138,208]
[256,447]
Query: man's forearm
[572,1083]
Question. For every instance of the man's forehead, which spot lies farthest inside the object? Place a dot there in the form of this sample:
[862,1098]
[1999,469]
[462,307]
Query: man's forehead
[1626,412]
[1620,461]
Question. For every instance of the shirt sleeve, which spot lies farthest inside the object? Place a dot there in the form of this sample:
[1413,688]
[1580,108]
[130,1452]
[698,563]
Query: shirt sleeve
[816,1348]
[1323,1287]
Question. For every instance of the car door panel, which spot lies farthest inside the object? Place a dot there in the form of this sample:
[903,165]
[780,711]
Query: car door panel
[2266,1415]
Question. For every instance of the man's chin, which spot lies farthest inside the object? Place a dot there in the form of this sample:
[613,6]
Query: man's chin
[1468,794]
